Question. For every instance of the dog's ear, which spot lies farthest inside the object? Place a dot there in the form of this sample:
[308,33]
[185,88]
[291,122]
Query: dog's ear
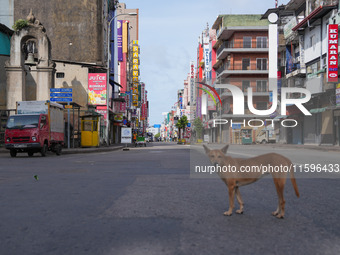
[206,148]
[225,148]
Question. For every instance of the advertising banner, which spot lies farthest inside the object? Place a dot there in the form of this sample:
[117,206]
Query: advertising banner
[332,69]
[192,83]
[103,111]
[120,39]
[97,88]
[126,135]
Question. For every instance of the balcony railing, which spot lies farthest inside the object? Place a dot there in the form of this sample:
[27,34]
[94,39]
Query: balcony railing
[254,44]
[242,67]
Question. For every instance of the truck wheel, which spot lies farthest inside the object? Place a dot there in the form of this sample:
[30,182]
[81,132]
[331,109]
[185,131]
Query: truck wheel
[13,153]
[30,153]
[264,142]
[43,150]
[58,149]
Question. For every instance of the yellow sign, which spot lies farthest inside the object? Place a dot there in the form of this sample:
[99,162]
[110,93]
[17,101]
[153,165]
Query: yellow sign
[135,61]
[134,79]
[135,91]
[135,67]
[135,55]
[68,106]
[135,48]
[338,86]
[135,73]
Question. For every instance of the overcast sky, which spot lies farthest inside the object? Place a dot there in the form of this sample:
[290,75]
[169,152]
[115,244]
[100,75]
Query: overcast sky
[168,39]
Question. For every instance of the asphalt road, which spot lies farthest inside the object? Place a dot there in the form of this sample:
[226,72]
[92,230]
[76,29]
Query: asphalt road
[144,201]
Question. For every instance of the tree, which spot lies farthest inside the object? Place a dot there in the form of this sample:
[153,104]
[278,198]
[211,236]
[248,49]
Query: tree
[181,124]
[198,127]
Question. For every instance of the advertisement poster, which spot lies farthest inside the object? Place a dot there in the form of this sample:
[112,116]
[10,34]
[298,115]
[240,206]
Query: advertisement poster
[120,40]
[126,136]
[97,88]
[103,111]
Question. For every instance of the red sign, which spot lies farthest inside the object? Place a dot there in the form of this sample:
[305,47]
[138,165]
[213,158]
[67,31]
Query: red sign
[103,111]
[332,74]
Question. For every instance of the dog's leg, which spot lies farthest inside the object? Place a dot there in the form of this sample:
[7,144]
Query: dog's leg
[239,199]
[231,190]
[280,184]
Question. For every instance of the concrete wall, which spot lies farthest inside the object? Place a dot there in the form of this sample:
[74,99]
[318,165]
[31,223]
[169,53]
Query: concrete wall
[75,27]
[76,77]
[3,59]
[313,51]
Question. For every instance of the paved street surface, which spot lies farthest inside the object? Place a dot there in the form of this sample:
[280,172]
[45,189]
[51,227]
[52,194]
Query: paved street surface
[144,201]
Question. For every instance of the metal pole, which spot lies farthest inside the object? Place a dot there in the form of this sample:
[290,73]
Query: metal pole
[68,126]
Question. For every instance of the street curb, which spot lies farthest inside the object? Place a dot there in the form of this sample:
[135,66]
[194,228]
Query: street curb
[81,150]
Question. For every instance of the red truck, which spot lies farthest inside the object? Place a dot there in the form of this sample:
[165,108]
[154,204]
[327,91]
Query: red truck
[37,126]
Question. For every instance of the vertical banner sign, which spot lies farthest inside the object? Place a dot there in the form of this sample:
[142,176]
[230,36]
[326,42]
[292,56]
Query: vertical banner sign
[332,71]
[135,73]
[120,40]
[125,36]
[97,88]
[142,93]
[192,83]
[206,51]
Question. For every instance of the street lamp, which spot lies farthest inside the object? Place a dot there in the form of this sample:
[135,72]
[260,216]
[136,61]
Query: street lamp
[108,68]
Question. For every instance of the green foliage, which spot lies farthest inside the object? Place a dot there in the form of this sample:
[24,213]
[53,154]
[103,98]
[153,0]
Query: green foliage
[157,135]
[198,126]
[182,122]
[20,24]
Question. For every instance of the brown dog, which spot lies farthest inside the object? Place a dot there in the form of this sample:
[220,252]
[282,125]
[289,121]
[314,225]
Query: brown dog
[237,172]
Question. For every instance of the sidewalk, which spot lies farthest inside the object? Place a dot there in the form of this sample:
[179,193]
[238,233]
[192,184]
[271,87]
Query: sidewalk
[297,146]
[65,151]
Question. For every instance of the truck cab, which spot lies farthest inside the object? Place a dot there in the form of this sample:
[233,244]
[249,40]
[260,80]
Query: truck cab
[27,133]
[32,132]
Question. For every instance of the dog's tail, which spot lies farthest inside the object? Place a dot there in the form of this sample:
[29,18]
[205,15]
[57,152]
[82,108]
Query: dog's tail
[293,180]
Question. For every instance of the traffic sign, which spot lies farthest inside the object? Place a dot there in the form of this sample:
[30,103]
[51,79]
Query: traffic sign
[60,94]
[62,99]
[61,90]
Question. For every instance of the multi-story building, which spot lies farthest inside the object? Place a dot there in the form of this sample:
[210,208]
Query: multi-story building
[242,61]
[305,30]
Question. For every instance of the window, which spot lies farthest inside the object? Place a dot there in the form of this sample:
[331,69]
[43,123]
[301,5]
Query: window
[261,42]
[261,86]
[261,64]
[245,85]
[312,41]
[246,42]
[60,75]
[246,64]
[261,106]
